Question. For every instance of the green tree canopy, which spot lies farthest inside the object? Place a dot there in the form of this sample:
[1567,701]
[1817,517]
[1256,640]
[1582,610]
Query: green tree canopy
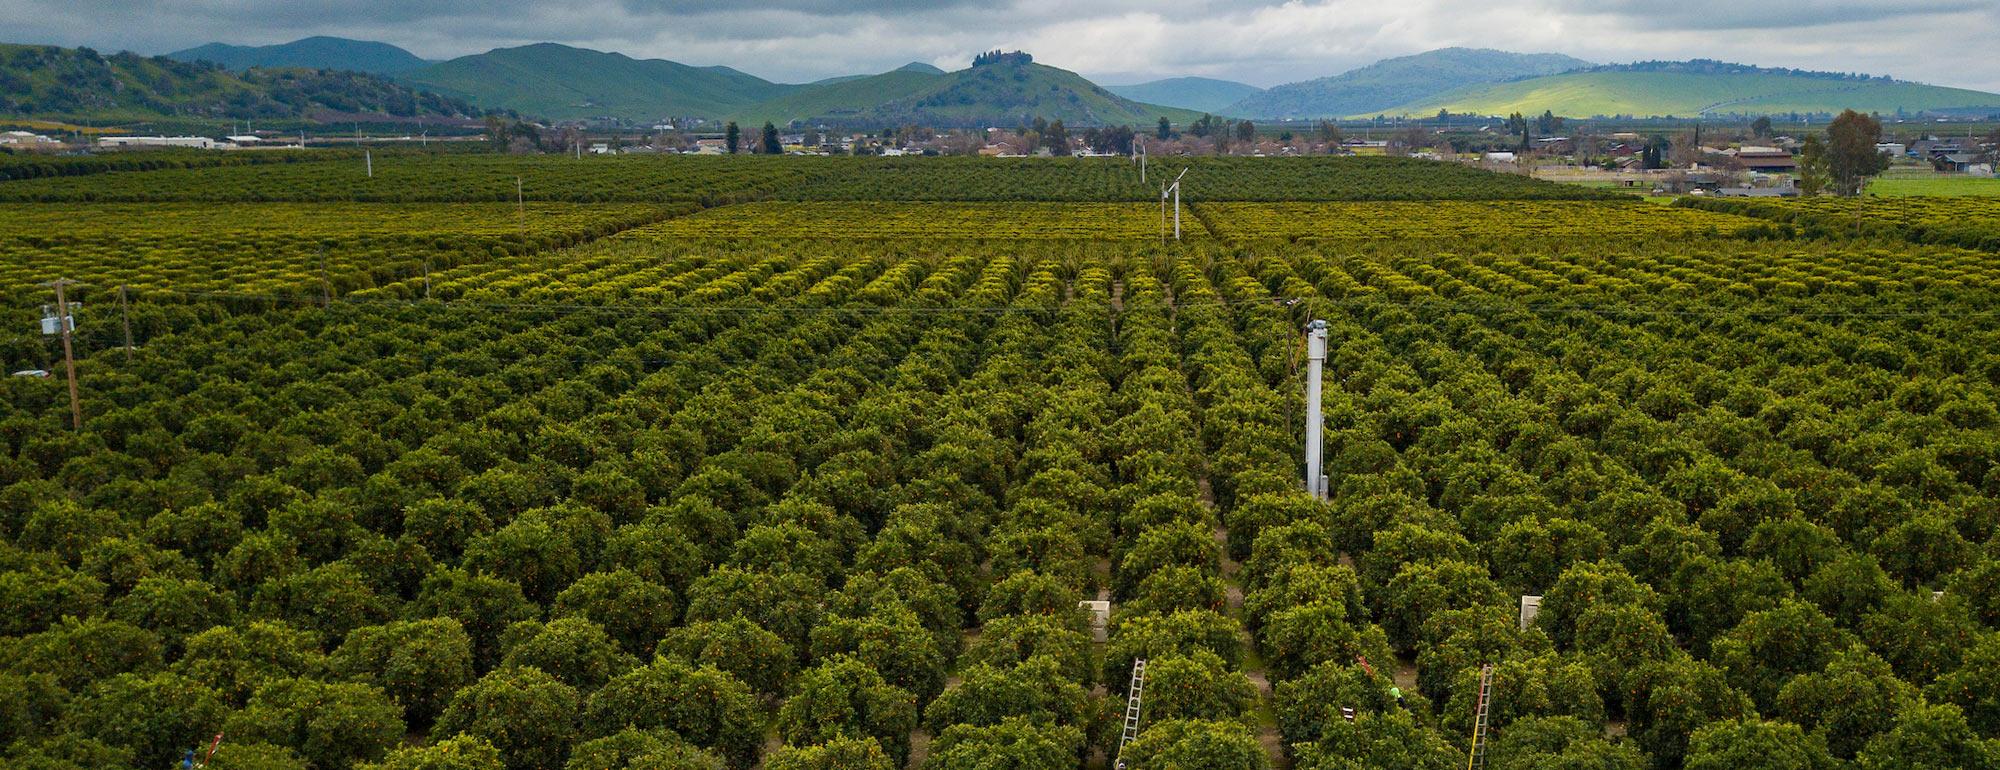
[1189,743]
[1540,743]
[329,724]
[156,716]
[1736,744]
[1856,697]
[527,715]
[841,753]
[1926,737]
[647,749]
[705,705]
[462,752]
[1016,742]
[846,697]
[419,663]
[1851,156]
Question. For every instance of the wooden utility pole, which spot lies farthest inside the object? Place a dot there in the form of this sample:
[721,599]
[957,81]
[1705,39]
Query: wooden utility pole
[325,284]
[64,324]
[125,317]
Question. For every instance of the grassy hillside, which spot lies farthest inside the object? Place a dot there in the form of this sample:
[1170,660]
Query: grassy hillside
[1392,82]
[1006,92]
[1012,91]
[79,83]
[331,53]
[839,98]
[561,82]
[1690,94]
[1204,94]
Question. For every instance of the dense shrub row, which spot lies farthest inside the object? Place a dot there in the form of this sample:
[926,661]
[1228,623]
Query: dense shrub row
[488,178]
[434,178]
[291,250]
[33,166]
[1963,222]
[1208,179]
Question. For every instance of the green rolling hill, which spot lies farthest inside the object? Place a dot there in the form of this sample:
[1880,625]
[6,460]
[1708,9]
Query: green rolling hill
[565,83]
[1013,90]
[1693,89]
[1204,94]
[839,98]
[331,53]
[1008,90]
[1366,91]
[79,83]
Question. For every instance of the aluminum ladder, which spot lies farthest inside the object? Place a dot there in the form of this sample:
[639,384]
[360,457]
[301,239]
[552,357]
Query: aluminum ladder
[1133,692]
[1479,725]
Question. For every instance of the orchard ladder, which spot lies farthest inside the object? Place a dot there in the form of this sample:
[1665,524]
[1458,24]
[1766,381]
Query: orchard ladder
[1479,726]
[1137,688]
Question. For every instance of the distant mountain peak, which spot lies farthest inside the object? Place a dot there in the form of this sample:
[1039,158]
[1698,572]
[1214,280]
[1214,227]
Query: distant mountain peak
[317,52]
[1400,80]
[1191,93]
[917,66]
[566,83]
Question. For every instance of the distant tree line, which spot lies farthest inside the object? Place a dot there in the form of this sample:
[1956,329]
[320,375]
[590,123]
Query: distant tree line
[999,57]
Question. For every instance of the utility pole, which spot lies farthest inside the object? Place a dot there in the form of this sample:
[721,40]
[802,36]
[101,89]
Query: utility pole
[125,316]
[1315,357]
[1175,189]
[520,207]
[325,285]
[368,157]
[67,325]
[1139,154]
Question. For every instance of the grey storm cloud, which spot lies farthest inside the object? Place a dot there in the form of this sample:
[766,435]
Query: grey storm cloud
[1735,14]
[1260,41]
[809,7]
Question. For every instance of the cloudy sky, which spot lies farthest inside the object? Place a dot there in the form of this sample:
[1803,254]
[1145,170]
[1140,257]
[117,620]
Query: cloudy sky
[1263,42]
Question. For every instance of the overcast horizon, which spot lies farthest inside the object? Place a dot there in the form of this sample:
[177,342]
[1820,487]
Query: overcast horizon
[1114,42]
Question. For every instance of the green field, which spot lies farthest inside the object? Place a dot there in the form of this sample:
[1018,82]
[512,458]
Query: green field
[1896,187]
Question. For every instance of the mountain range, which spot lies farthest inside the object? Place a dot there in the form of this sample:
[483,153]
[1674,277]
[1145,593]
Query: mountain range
[1204,94]
[1394,82]
[1697,88]
[558,82]
[333,53]
[566,83]
[79,83]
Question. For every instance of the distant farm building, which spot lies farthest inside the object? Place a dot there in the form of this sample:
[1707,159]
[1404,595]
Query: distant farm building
[1767,160]
[120,142]
[1961,163]
[25,139]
